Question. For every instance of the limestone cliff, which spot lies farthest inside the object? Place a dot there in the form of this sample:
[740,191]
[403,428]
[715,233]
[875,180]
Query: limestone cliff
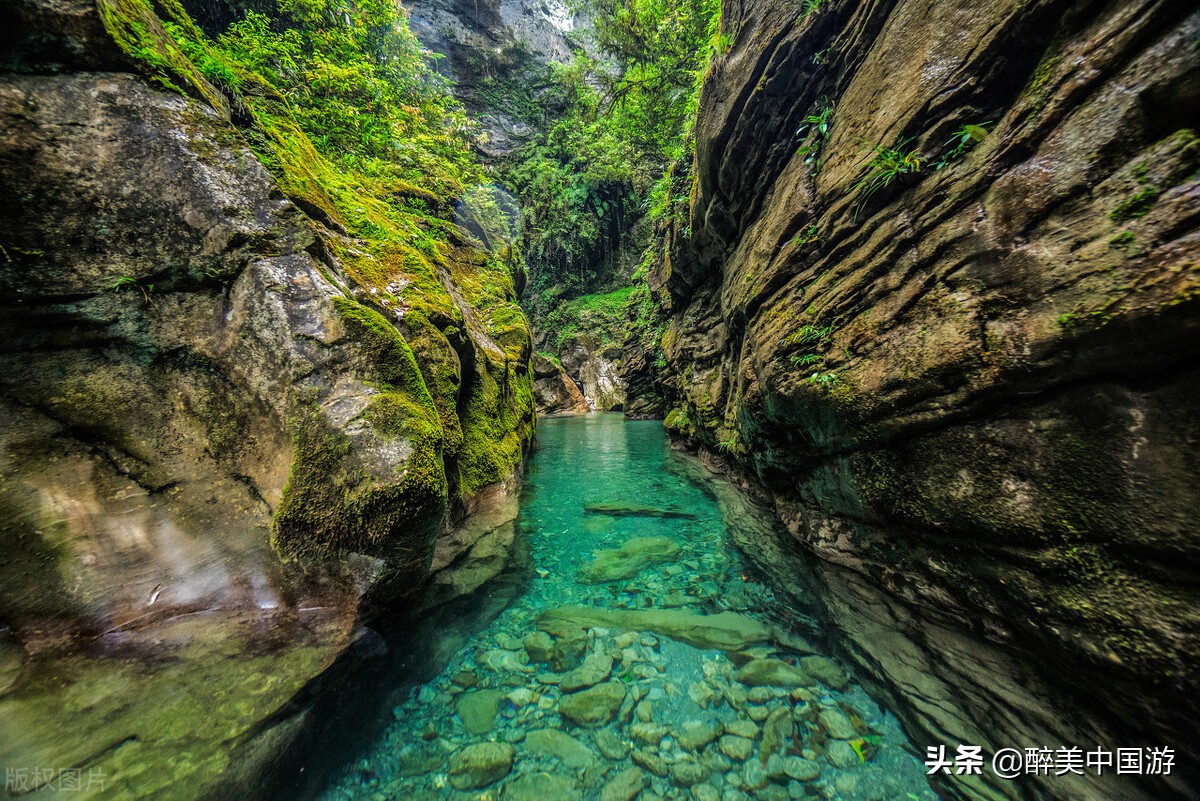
[936,296]
[218,436]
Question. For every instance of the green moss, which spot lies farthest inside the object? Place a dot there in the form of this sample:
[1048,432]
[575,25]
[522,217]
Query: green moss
[1135,206]
[332,502]
[140,33]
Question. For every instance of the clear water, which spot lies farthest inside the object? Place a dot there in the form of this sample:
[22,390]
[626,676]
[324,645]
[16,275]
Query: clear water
[604,460]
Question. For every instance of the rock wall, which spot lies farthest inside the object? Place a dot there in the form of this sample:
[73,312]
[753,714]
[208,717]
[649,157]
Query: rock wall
[212,442]
[937,298]
[497,54]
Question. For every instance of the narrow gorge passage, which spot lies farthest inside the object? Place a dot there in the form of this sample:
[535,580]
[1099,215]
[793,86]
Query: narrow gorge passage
[643,646]
[880,323]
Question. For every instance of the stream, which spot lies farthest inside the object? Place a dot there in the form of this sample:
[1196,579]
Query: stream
[639,653]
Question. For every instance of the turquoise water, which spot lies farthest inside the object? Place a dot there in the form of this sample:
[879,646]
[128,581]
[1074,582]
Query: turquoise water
[642,701]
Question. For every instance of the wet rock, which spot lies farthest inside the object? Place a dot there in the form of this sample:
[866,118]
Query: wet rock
[541,787]
[758,713]
[644,711]
[801,769]
[520,697]
[754,776]
[651,762]
[477,709]
[539,646]
[611,745]
[771,672]
[724,631]
[743,728]
[693,735]
[777,731]
[841,755]
[634,556]
[824,670]
[736,748]
[625,786]
[479,765]
[705,792]
[419,758]
[593,707]
[703,694]
[649,733]
[626,510]
[837,725]
[561,746]
[508,642]
[502,661]
[465,678]
[595,669]
[688,771]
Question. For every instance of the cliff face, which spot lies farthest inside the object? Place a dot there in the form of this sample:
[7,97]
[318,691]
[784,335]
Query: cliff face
[937,297]
[215,440]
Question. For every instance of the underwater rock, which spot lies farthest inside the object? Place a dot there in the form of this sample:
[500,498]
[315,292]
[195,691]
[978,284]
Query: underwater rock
[477,709]
[801,769]
[649,733]
[777,730]
[837,725]
[502,661]
[625,786]
[561,746]
[620,510]
[539,646]
[595,669]
[825,670]
[593,707]
[724,631]
[541,786]
[611,745]
[742,728]
[687,772]
[771,673]
[693,735]
[479,765]
[651,762]
[736,748]
[841,754]
[634,556]
[416,759]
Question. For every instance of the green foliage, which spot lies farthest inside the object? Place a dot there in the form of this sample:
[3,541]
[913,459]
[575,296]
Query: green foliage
[1135,206]
[886,166]
[815,127]
[607,317]
[805,237]
[962,140]
[628,116]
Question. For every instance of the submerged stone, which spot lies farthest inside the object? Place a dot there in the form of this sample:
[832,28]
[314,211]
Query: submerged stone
[479,765]
[736,748]
[693,735]
[541,786]
[771,673]
[611,745]
[625,786]
[625,510]
[634,556]
[825,670]
[593,707]
[477,709]
[595,669]
[725,631]
[561,746]
[837,725]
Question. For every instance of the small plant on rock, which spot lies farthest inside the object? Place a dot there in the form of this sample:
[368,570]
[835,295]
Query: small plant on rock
[887,165]
[963,139]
